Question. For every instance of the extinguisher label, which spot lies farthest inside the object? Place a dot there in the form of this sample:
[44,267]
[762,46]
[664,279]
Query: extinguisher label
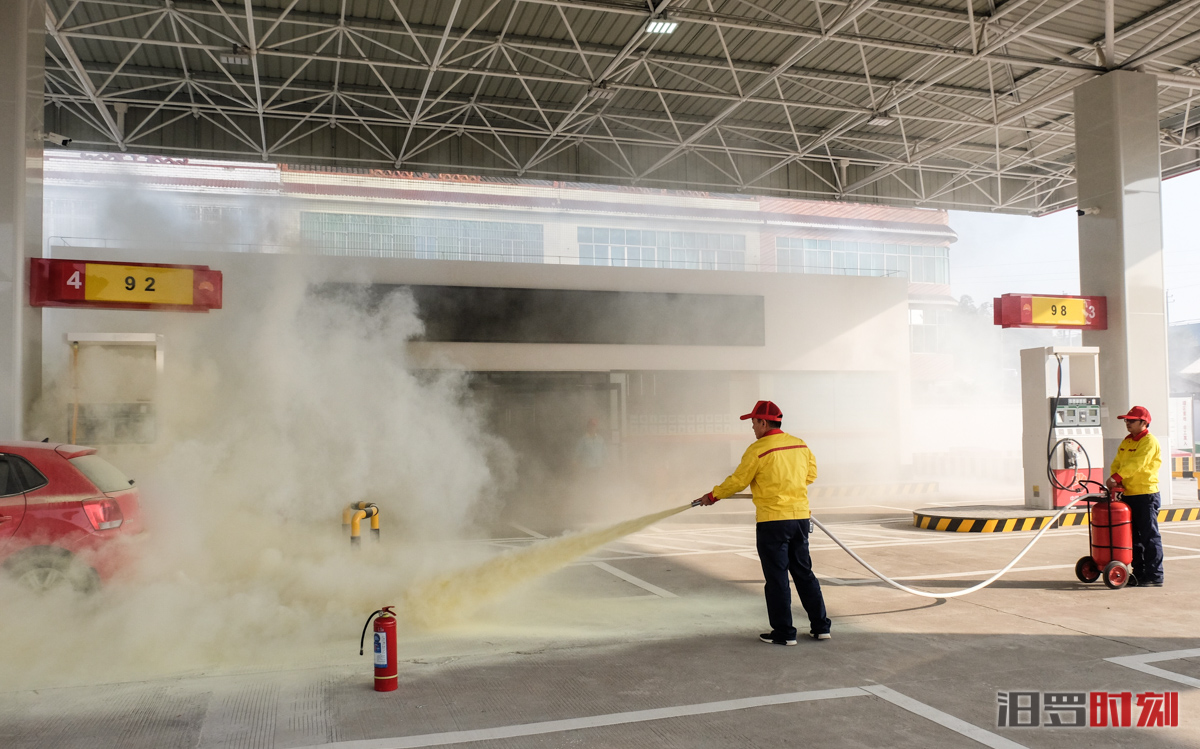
[381,650]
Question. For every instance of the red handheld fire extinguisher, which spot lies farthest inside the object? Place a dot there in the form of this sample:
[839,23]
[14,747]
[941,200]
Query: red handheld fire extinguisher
[384,639]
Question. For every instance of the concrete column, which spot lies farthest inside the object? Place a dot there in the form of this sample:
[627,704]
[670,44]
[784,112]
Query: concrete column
[1119,181]
[22,73]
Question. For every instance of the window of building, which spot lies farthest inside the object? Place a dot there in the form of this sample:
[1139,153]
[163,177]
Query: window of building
[635,248]
[358,235]
[927,330]
[918,263]
[214,214]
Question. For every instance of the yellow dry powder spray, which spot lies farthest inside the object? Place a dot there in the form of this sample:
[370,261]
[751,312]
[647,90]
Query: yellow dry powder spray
[446,599]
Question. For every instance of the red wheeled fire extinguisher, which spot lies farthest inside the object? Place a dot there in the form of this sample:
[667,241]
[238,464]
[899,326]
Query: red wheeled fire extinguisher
[384,638]
[1111,536]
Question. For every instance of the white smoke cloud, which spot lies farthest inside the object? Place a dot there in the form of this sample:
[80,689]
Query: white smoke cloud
[269,424]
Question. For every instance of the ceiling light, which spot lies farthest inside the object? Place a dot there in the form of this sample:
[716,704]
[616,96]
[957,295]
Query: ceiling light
[239,55]
[661,26]
[600,91]
[880,118]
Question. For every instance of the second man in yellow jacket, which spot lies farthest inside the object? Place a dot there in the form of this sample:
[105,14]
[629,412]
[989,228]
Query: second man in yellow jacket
[1135,470]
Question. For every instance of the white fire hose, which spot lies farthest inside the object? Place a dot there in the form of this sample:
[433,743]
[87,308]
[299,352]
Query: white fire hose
[956,593]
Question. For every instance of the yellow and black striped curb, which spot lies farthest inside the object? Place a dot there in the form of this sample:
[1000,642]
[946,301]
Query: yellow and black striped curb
[873,490]
[1032,523]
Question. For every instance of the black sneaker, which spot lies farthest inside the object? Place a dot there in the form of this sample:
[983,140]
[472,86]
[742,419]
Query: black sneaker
[820,635]
[1151,584]
[771,639]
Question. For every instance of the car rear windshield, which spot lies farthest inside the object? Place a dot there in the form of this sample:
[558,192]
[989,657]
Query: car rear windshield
[103,474]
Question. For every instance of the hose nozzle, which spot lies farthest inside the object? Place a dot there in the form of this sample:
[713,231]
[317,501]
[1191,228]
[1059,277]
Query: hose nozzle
[695,503]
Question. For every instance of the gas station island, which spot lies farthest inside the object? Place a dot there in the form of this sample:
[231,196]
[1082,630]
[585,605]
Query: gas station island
[599,325]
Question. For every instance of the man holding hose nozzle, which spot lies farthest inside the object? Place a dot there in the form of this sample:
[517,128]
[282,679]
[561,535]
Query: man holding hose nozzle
[779,467]
[1135,472]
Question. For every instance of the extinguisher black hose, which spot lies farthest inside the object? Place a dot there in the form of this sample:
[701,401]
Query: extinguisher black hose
[362,640]
[1076,484]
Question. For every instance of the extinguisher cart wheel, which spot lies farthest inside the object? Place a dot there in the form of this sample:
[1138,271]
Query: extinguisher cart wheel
[1115,575]
[1087,570]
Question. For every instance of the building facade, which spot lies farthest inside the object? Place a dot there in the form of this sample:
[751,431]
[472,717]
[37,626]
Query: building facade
[848,297]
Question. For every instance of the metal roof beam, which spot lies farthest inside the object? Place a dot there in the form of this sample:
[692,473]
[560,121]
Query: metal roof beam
[85,82]
[797,53]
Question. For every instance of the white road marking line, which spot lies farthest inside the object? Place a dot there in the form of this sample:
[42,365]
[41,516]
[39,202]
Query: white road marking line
[529,531]
[1181,548]
[868,521]
[635,580]
[594,721]
[850,535]
[974,573]
[1142,663]
[1182,533]
[970,730]
[660,545]
[694,541]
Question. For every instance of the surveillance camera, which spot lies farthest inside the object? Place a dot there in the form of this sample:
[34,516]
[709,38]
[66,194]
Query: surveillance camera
[57,139]
[1090,211]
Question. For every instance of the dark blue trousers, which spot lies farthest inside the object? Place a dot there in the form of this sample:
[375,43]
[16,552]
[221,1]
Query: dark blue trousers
[783,548]
[1147,543]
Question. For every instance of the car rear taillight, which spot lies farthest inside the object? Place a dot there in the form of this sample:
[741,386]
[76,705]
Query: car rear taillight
[103,513]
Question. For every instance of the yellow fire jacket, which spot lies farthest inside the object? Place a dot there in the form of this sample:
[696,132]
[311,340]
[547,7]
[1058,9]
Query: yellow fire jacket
[1137,463]
[778,468]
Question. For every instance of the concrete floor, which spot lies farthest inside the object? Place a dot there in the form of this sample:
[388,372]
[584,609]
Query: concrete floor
[653,642]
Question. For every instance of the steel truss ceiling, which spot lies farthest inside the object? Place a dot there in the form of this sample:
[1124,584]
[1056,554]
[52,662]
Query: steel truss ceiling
[940,103]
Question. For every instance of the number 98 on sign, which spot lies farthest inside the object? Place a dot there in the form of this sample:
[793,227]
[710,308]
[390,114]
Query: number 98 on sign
[1059,311]
[72,283]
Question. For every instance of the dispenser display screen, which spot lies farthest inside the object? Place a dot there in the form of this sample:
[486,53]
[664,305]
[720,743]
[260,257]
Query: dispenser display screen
[1077,411]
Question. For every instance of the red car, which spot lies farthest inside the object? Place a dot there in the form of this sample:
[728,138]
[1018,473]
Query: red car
[63,512]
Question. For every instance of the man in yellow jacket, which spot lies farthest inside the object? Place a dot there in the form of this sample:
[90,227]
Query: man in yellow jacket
[1135,471]
[779,467]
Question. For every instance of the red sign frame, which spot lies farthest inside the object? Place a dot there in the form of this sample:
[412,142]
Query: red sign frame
[1016,311]
[49,287]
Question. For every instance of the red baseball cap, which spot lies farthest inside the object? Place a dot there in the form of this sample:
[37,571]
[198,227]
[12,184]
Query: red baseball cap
[1137,413]
[765,410]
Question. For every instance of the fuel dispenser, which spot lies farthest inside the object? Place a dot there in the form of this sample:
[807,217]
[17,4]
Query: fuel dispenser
[1061,409]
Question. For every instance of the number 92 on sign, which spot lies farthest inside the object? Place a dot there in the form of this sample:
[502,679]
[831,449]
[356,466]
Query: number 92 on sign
[133,283]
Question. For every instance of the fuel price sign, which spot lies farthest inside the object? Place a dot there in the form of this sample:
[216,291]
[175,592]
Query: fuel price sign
[1029,311]
[104,285]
